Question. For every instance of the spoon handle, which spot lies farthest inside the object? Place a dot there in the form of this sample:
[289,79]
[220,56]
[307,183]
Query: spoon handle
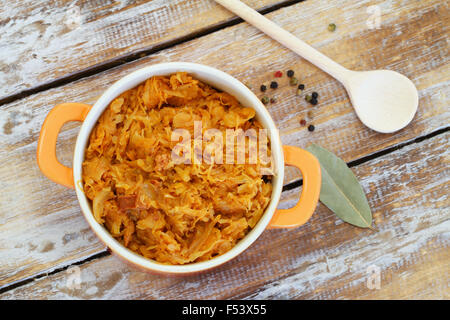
[286,38]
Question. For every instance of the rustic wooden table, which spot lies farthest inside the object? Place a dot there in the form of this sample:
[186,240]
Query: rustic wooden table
[73,50]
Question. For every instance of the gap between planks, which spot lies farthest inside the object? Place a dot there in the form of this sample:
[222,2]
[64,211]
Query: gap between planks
[123,59]
[290,186]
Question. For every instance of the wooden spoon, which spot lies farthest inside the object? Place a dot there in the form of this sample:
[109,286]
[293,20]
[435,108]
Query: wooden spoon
[384,100]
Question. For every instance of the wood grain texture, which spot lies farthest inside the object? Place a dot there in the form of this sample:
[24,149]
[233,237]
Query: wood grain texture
[41,43]
[324,259]
[40,222]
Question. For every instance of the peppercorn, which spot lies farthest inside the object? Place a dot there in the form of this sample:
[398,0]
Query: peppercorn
[299,92]
[293,81]
[311,128]
[274,85]
[265,99]
[308,98]
[331,27]
[301,86]
[315,95]
[263,88]
[273,99]
[278,74]
[309,114]
[303,122]
[290,73]
[313,101]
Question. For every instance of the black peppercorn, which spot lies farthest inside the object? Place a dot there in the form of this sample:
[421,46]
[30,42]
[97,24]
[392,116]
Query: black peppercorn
[315,95]
[274,85]
[313,101]
[301,86]
[263,88]
[290,73]
[311,128]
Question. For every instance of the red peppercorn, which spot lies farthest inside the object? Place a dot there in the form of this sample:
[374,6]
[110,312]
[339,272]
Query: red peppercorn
[278,74]
[303,122]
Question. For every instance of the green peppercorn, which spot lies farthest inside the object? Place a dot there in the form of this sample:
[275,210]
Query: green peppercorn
[308,98]
[265,99]
[290,73]
[293,81]
[331,27]
[299,92]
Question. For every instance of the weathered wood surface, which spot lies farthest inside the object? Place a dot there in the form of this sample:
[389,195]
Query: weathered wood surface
[41,224]
[40,43]
[324,259]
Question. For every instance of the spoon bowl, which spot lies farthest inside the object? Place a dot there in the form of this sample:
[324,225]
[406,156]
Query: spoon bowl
[384,100]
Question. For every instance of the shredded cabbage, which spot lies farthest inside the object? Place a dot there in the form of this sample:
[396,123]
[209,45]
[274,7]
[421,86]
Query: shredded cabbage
[173,213]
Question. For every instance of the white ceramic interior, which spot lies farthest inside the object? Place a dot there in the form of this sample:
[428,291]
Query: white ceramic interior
[219,80]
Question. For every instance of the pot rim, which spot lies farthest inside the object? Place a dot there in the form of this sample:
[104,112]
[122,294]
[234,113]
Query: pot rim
[217,79]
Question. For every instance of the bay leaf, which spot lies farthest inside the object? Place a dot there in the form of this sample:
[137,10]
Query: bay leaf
[341,191]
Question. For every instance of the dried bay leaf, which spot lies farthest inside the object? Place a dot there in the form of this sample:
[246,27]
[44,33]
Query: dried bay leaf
[341,191]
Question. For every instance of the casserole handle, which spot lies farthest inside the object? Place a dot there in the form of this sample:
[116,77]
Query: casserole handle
[312,180]
[46,148]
